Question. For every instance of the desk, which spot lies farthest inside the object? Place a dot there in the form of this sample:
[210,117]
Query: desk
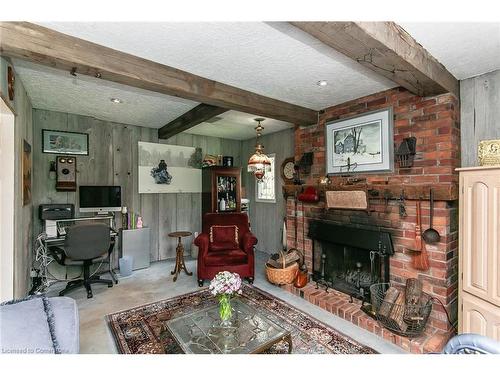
[59,241]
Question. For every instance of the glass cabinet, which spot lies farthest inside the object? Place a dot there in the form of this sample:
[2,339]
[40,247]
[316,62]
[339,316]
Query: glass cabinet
[221,189]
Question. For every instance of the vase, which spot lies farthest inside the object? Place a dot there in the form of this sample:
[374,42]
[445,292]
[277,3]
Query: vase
[225,310]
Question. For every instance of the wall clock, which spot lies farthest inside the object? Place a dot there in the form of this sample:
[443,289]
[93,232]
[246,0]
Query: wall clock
[288,170]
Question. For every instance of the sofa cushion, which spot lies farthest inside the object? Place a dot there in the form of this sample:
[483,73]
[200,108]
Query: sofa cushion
[226,257]
[225,237]
[25,327]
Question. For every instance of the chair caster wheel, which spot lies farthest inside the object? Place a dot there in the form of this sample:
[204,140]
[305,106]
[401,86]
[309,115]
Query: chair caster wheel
[110,285]
[89,295]
[250,280]
[200,283]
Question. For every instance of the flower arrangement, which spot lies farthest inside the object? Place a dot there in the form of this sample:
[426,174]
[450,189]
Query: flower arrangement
[224,286]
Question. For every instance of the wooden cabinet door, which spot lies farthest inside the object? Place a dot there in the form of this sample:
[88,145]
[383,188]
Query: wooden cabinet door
[479,316]
[480,227]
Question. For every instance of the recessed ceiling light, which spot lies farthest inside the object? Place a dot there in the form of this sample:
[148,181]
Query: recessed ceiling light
[116,100]
[322,83]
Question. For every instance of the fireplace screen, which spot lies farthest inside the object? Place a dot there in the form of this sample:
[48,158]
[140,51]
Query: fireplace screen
[348,269]
[349,259]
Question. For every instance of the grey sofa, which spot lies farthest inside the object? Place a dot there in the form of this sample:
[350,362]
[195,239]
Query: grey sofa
[39,325]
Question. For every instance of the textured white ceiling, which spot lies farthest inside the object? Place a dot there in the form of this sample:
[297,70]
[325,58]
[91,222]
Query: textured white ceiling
[57,90]
[237,125]
[272,59]
[467,49]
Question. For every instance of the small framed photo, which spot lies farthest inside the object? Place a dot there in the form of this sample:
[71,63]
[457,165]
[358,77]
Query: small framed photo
[63,142]
[361,144]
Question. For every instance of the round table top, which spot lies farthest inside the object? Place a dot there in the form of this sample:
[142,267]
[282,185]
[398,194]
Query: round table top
[180,234]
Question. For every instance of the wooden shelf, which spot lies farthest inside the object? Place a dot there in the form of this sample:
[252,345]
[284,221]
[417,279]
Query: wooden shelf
[442,192]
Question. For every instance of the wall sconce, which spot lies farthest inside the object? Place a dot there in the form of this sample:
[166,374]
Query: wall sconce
[303,165]
[406,152]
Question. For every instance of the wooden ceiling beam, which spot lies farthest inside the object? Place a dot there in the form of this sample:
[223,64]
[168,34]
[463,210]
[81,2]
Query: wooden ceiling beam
[201,113]
[44,46]
[388,50]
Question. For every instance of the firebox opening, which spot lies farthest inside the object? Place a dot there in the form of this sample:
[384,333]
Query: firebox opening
[349,259]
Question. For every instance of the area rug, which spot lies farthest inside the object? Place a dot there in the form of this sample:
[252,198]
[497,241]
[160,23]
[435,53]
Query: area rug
[143,329]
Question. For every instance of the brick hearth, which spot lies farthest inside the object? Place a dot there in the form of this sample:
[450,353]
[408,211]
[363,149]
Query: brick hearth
[435,123]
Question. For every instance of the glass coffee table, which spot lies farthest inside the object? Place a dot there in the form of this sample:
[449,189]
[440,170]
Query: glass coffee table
[250,332]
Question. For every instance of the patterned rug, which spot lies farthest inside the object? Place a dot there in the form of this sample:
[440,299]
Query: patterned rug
[143,329]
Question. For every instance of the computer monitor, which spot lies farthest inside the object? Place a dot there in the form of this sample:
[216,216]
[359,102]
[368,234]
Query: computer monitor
[100,199]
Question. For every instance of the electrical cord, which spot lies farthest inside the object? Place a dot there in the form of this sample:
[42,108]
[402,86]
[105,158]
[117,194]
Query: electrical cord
[43,259]
[452,324]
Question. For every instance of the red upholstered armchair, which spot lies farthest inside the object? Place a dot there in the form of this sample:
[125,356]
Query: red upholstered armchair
[226,244]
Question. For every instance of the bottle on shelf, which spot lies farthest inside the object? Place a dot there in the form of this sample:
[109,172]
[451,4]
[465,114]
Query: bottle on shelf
[222,205]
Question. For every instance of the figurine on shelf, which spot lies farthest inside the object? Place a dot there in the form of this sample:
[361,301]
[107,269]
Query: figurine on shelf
[139,222]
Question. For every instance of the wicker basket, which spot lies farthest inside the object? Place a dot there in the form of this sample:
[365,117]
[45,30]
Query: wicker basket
[281,276]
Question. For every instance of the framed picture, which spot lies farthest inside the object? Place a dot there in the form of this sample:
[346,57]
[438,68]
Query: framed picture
[26,173]
[360,144]
[169,168]
[62,142]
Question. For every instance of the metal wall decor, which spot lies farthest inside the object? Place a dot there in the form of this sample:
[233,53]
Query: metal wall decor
[405,153]
[489,152]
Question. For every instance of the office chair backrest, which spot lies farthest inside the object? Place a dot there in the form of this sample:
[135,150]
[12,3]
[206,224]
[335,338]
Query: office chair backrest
[87,241]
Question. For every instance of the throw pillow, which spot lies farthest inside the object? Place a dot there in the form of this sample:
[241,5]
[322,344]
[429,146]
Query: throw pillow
[224,237]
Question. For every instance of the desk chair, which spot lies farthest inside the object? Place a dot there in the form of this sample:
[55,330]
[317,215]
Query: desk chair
[84,245]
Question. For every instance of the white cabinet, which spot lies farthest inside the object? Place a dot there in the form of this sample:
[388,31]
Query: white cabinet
[479,257]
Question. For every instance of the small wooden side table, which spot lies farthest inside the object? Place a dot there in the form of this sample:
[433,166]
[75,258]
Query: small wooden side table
[179,258]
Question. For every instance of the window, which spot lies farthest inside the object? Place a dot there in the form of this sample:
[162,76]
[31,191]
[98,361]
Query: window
[266,189]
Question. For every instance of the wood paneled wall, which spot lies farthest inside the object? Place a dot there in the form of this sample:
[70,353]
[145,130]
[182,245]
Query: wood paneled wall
[267,218]
[112,160]
[480,113]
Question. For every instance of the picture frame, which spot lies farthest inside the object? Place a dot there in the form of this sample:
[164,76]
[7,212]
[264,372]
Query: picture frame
[64,142]
[26,171]
[360,144]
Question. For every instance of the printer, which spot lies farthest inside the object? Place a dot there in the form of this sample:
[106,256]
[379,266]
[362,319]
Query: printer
[50,213]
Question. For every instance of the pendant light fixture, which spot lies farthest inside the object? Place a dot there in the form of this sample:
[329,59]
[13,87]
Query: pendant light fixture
[259,163]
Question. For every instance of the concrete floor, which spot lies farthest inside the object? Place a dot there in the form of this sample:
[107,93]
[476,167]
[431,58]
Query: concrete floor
[155,283]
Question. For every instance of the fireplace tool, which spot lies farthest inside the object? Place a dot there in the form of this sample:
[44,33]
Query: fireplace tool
[322,281]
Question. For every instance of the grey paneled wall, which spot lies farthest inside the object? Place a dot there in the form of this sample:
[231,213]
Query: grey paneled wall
[22,214]
[267,218]
[113,160]
[480,113]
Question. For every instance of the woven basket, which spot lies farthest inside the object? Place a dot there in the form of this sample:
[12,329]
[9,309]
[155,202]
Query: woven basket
[281,276]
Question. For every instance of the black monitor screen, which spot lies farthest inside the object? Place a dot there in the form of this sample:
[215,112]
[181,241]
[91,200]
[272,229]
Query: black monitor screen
[100,196]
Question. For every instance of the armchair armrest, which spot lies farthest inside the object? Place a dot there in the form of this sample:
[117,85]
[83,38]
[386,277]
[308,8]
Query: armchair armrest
[202,242]
[248,241]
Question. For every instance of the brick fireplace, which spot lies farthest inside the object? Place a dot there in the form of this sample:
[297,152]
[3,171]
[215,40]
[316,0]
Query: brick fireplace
[434,121]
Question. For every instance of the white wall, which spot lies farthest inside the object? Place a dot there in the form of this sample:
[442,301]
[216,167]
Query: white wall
[6,203]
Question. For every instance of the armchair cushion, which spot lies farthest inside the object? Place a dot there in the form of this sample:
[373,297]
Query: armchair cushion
[224,237]
[226,257]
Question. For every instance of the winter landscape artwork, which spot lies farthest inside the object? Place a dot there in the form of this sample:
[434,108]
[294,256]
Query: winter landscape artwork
[169,169]
[360,144]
